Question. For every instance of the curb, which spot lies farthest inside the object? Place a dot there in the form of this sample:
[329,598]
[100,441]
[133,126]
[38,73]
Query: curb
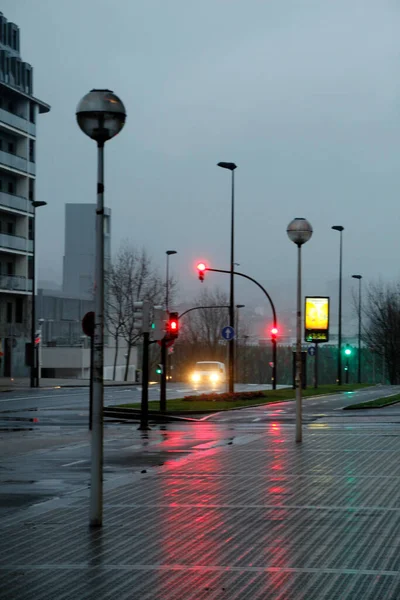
[134,415]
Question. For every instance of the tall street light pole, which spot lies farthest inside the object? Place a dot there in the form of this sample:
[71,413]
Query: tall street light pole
[238,307]
[339,361]
[359,277]
[299,231]
[164,357]
[100,115]
[34,373]
[168,253]
[231,387]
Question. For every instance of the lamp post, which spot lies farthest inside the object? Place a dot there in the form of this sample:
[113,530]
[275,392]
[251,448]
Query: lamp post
[238,307]
[164,357]
[34,372]
[359,277]
[168,253]
[299,231]
[339,361]
[101,116]
[231,344]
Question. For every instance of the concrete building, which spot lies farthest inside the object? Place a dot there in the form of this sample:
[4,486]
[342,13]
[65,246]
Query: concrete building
[18,114]
[79,248]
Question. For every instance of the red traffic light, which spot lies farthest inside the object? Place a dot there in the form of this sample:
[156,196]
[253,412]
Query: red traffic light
[173,326]
[201,267]
[274,331]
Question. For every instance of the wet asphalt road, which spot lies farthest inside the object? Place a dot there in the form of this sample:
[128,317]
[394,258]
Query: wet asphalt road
[45,442]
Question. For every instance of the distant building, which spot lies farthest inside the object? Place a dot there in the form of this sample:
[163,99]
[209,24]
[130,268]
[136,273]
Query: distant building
[18,113]
[79,249]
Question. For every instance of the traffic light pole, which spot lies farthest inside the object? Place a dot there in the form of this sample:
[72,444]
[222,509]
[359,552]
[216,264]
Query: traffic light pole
[163,378]
[274,345]
[144,413]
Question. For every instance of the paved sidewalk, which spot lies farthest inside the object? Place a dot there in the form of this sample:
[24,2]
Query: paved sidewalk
[251,516]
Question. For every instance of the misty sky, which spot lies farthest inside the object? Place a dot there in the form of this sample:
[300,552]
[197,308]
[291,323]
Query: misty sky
[302,94]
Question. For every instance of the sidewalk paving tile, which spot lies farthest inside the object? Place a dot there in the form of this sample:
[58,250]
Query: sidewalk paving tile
[262,518]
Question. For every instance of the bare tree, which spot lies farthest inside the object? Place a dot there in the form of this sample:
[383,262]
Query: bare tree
[204,326]
[382,325]
[133,278]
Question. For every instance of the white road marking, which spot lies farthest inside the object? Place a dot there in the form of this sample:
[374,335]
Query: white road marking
[73,463]
[258,419]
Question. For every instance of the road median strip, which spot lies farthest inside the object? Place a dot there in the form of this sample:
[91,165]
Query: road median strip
[212,403]
[377,403]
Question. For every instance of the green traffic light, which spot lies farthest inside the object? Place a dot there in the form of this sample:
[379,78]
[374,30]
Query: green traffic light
[347,351]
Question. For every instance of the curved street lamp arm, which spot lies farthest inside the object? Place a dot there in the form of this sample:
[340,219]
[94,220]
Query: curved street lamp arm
[199,307]
[254,281]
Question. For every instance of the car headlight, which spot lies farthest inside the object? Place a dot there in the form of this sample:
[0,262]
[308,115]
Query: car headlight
[195,377]
[214,377]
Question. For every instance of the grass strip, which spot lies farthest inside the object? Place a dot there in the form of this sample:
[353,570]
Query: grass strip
[377,403]
[180,405]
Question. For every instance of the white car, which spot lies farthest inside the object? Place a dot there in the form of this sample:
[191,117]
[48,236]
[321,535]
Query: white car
[209,371]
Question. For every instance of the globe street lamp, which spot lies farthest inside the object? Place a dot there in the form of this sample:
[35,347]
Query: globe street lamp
[340,228]
[359,277]
[231,344]
[101,116]
[299,231]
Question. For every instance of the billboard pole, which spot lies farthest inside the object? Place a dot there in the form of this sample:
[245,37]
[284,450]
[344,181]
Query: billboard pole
[316,367]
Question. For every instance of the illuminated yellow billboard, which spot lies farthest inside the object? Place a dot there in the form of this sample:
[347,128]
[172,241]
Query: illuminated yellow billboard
[316,319]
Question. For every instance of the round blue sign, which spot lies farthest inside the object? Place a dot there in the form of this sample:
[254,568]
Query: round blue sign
[228,333]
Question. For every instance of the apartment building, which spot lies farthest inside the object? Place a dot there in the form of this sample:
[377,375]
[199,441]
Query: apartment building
[18,114]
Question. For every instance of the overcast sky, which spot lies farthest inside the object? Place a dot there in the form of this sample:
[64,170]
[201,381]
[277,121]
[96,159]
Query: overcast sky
[302,94]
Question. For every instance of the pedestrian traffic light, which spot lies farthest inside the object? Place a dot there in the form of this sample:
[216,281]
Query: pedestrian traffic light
[159,369]
[173,325]
[274,333]
[201,267]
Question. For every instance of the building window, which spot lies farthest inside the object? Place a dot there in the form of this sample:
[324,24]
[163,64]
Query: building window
[31,190]
[10,228]
[19,310]
[14,43]
[32,111]
[11,147]
[10,187]
[30,229]
[30,267]
[1,185]
[1,144]
[10,268]
[32,151]
[9,312]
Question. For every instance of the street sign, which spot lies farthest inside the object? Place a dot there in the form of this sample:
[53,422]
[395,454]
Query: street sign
[88,324]
[311,351]
[228,333]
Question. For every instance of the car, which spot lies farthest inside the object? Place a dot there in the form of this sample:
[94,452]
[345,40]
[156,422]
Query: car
[209,371]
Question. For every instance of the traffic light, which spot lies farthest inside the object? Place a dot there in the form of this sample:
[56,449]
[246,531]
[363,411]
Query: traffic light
[173,325]
[158,325]
[159,369]
[348,351]
[274,333]
[141,316]
[201,267]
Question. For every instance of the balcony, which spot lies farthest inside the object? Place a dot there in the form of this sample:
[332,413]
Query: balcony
[8,200]
[15,242]
[17,162]
[17,122]
[15,283]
